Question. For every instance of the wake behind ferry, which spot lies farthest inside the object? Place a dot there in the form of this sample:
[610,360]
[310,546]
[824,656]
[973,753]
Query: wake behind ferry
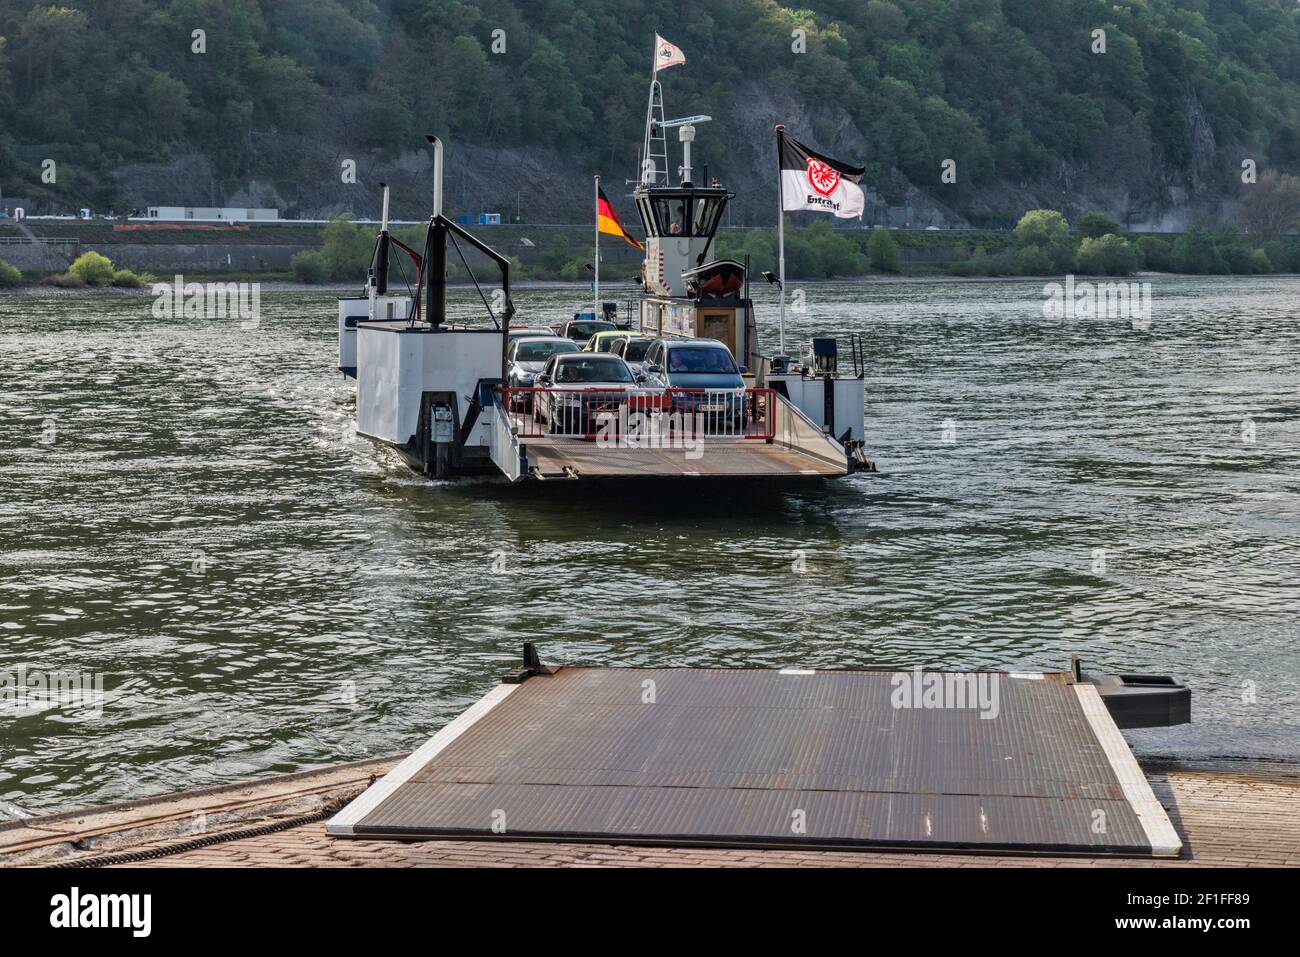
[685,392]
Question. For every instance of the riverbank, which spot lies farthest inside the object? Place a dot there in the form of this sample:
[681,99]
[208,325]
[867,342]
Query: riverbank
[612,291]
[815,251]
[1228,813]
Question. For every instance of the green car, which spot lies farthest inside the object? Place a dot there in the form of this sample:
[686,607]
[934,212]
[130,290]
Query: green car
[603,341]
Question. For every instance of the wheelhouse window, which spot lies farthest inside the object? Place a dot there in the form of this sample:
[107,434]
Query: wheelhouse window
[685,214]
[707,211]
[671,213]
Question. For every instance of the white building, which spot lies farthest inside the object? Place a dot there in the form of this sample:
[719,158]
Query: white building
[211,214]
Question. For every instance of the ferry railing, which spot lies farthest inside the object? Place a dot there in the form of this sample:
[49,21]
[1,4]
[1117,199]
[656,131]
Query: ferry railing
[596,413]
[575,412]
[725,413]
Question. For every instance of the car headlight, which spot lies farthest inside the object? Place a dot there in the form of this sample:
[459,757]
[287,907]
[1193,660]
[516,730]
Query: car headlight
[524,380]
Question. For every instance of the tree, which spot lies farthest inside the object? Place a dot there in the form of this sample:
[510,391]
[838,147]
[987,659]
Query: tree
[882,251]
[1270,208]
[1041,227]
[50,42]
[347,249]
[92,268]
[309,267]
[5,83]
[167,101]
[9,276]
[1033,261]
[1107,255]
[1097,224]
[1195,253]
[1155,253]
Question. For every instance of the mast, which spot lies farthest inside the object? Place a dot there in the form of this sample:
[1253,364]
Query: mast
[780,239]
[654,147]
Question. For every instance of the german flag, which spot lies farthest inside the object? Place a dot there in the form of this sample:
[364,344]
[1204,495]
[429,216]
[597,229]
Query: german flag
[607,221]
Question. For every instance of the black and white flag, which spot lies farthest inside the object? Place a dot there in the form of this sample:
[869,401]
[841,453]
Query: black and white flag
[812,181]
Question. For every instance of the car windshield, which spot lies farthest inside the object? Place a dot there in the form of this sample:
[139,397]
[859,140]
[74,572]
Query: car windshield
[701,360]
[592,368]
[635,350]
[585,330]
[541,351]
[606,343]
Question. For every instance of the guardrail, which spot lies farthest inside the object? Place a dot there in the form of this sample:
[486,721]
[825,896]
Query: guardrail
[605,413]
[37,241]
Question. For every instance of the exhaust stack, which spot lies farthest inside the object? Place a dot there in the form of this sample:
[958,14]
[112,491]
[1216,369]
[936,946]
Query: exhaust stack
[381,251]
[437,263]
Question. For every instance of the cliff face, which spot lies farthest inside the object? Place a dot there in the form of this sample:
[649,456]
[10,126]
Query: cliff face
[1129,179]
[534,98]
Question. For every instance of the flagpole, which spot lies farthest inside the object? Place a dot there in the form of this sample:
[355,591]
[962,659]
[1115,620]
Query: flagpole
[780,237]
[596,265]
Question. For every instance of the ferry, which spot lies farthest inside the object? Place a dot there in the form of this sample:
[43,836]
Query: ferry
[438,392]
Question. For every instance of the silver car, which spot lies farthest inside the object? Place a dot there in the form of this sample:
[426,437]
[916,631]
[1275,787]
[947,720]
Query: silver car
[632,350]
[579,388]
[527,356]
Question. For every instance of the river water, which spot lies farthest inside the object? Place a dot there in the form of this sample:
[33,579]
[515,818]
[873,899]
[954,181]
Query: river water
[188,516]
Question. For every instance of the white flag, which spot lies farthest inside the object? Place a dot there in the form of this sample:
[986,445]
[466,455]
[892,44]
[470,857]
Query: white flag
[815,182]
[666,54]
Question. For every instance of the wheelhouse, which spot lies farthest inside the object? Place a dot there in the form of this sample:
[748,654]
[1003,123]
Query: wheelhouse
[692,212]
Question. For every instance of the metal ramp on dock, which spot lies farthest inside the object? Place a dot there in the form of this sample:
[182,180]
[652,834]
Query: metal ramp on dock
[1028,764]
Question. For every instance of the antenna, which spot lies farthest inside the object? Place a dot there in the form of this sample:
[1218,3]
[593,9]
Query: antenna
[686,134]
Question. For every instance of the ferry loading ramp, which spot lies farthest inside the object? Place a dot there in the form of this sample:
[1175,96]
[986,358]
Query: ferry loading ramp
[792,758]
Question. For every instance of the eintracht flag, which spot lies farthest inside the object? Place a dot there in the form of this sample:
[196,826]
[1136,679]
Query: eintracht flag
[666,54]
[812,181]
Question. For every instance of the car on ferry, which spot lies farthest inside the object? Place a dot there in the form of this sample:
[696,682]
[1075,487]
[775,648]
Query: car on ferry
[528,331]
[577,388]
[580,330]
[527,356]
[632,350]
[604,340]
[700,376]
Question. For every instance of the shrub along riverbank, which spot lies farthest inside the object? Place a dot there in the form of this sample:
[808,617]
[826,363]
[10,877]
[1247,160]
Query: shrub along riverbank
[1042,244]
[89,269]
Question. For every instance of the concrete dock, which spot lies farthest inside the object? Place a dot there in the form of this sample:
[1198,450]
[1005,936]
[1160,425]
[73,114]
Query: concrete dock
[1227,812]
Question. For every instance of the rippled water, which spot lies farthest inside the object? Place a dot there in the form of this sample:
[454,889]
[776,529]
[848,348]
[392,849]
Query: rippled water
[187,512]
